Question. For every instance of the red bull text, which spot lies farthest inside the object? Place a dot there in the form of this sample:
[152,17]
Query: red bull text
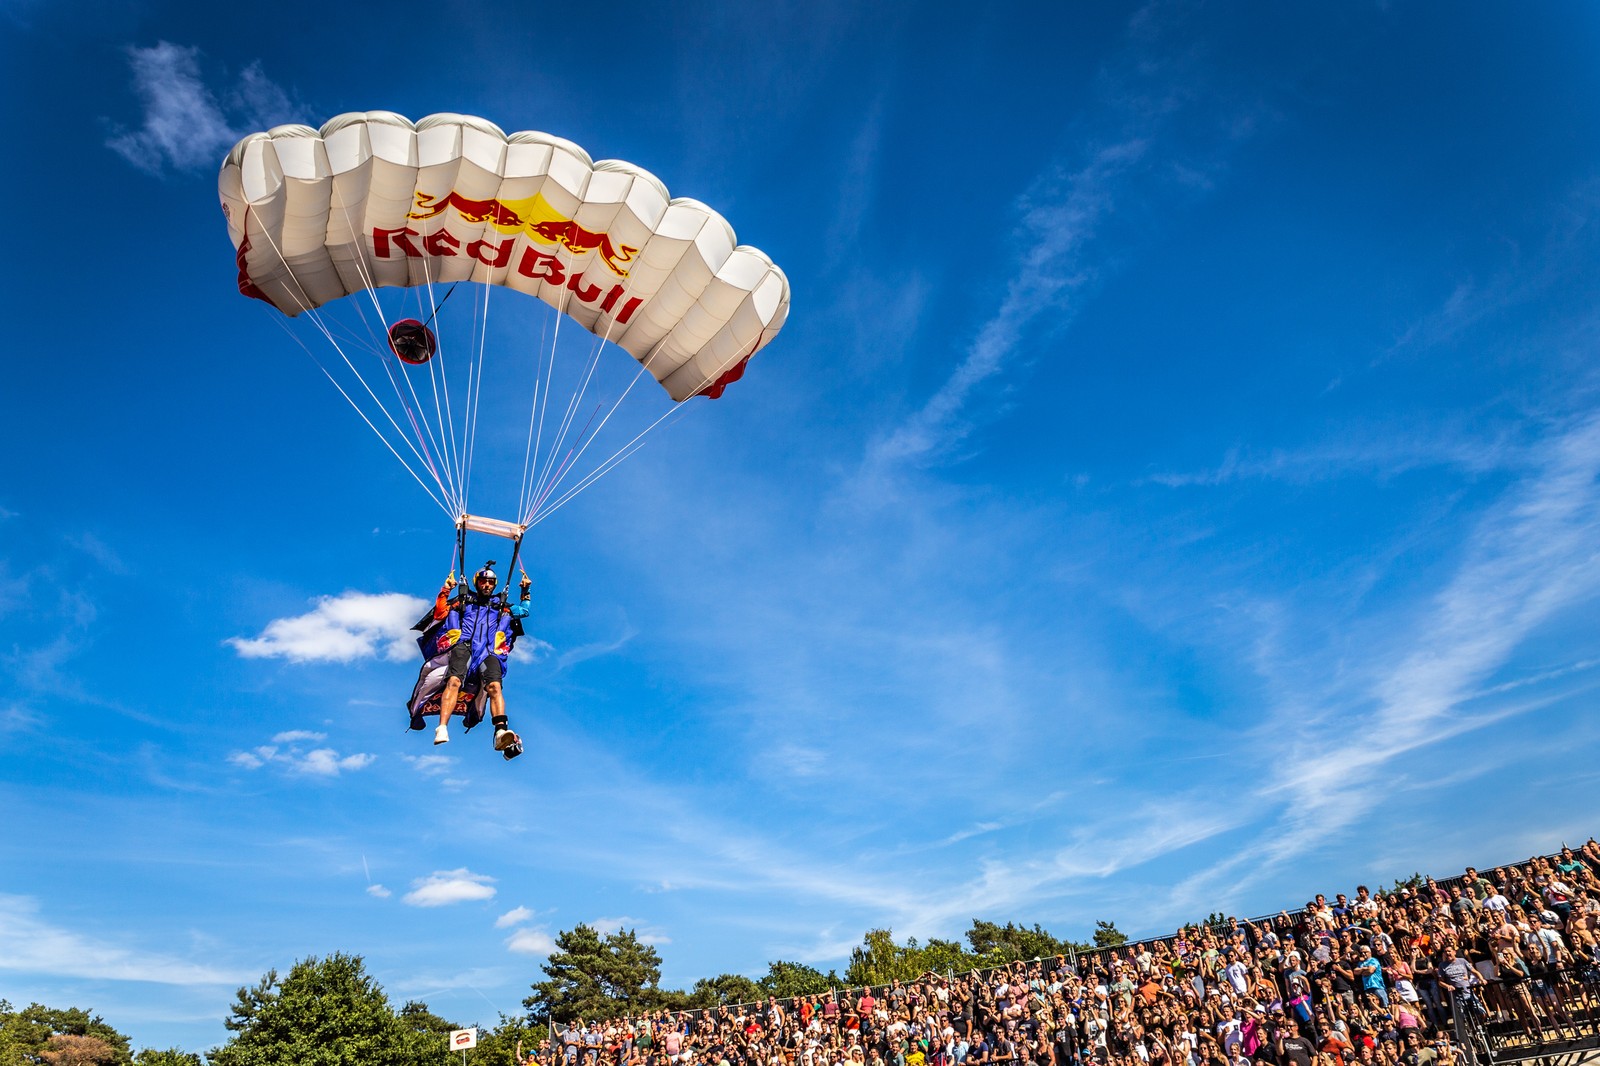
[533,264]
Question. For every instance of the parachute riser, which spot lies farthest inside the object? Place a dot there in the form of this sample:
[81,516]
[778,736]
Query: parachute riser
[495,527]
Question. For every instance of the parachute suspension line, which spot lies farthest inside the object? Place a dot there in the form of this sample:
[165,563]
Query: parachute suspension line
[442,482]
[454,451]
[419,424]
[555,346]
[615,406]
[376,431]
[549,481]
[481,331]
[304,301]
[565,463]
[632,446]
[545,493]
[527,453]
[474,376]
[551,475]
[585,441]
[437,374]
[606,467]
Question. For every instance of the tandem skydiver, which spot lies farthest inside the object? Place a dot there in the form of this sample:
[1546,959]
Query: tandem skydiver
[470,637]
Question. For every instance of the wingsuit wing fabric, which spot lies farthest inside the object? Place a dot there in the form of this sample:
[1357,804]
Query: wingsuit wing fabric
[373,199]
[488,630]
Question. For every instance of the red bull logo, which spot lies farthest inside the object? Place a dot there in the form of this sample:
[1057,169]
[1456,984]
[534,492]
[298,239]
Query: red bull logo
[533,216]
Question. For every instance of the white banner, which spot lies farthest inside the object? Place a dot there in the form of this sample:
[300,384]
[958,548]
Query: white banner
[462,1039]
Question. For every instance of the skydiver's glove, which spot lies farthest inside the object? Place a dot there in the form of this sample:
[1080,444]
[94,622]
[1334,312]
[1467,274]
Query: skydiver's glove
[450,582]
[527,586]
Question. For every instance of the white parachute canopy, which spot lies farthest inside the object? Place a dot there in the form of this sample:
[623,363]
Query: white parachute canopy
[373,200]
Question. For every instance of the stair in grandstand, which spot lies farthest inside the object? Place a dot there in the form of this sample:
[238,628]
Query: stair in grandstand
[1511,1043]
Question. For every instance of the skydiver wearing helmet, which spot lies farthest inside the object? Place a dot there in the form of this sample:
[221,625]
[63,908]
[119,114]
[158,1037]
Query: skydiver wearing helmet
[479,649]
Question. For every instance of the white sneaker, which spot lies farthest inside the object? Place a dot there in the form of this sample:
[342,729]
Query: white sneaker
[503,739]
[441,734]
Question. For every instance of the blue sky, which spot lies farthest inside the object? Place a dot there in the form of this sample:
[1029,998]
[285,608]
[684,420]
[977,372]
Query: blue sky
[1175,490]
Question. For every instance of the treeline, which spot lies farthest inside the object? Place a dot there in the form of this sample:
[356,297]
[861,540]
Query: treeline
[72,1037]
[330,1011]
[591,976]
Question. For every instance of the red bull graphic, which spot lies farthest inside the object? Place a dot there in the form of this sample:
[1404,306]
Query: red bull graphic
[533,264]
[580,241]
[533,216]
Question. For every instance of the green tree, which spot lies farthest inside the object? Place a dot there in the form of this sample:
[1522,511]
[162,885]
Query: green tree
[789,979]
[1107,935]
[71,1035]
[21,1038]
[326,1012]
[944,956]
[993,943]
[725,991]
[880,960]
[423,1032]
[169,1057]
[498,1046]
[589,976]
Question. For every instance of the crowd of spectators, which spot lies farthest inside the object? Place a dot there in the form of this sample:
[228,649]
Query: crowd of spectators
[1374,979]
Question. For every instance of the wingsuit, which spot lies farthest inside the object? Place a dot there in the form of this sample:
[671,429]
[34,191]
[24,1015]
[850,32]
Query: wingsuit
[469,637]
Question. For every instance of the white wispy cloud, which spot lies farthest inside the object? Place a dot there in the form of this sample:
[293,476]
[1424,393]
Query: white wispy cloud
[185,124]
[325,762]
[379,891]
[444,887]
[531,942]
[1383,454]
[30,944]
[594,650]
[341,629]
[1060,217]
[287,754]
[431,765]
[1528,556]
[1141,90]
[99,551]
[1531,555]
[515,916]
[646,933]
